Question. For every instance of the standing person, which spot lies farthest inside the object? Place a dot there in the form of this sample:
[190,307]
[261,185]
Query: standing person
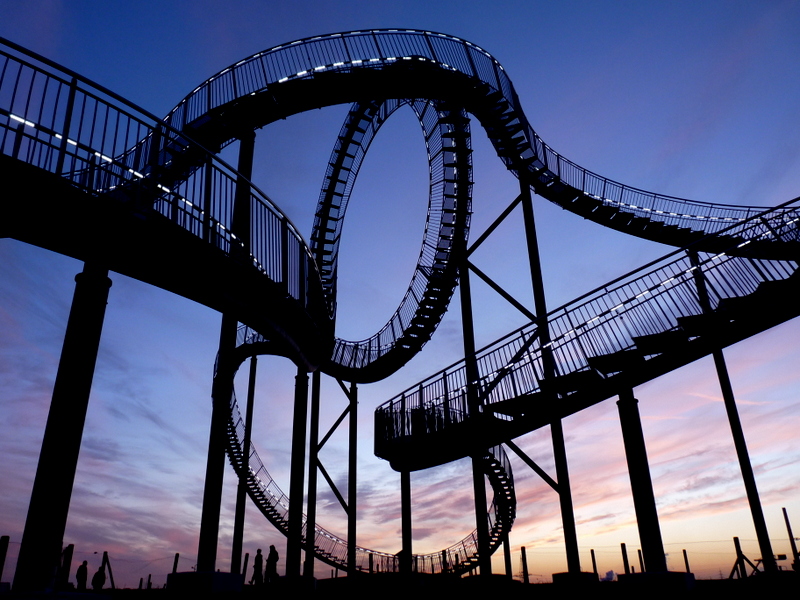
[258,569]
[99,579]
[272,565]
[81,575]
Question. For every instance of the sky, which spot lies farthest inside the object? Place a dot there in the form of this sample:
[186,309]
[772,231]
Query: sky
[686,99]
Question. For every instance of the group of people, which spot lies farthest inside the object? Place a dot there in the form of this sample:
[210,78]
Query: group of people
[82,574]
[268,575]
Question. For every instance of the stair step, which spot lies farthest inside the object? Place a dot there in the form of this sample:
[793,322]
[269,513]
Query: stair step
[658,343]
[618,361]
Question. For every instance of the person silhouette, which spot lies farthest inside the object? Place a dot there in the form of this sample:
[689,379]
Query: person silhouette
[272,565]
[81,575]
[258,569]
[99,579]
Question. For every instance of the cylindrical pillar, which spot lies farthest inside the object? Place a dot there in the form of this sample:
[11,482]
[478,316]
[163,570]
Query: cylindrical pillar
[405,515]
[313,453]
[221,391]
[644,501]
[525,577]
[352,501]
[40,550]
[296,483]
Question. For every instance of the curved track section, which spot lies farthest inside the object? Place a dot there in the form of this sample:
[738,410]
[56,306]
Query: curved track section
[634,329]
[65,153]
[446,133]
[459,558]
[364,65]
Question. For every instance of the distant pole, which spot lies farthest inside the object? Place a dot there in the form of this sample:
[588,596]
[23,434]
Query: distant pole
[525,577]
[40,550]
[175,562]
[686,561]
[625,564]
[594,562]
[641,560]
[4,550]
[795,556]
[739,559]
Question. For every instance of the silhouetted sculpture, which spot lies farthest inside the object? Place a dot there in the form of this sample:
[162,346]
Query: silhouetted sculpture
[272,565]
[99,579]
[81,575]
[258,569]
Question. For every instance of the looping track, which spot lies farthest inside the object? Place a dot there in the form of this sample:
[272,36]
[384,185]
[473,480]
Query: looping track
[96,157]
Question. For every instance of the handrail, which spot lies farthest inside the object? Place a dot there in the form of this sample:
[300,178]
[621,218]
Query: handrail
[601,322]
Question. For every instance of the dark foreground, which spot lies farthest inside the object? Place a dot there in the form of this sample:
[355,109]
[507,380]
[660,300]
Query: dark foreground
[390,587]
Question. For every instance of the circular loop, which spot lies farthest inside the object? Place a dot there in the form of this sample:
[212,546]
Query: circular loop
[447,138]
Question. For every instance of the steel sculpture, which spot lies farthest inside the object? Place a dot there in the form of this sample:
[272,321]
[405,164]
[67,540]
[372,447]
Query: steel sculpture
[96,156]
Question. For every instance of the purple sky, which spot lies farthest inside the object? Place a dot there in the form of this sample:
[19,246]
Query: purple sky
[693,101]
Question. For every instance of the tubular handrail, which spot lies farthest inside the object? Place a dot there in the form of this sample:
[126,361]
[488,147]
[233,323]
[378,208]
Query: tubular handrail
[108,147]
[332,549]
[604,321]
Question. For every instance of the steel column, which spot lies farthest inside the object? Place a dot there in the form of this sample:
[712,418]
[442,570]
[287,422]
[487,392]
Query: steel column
[223,381]
[295,534]
[352,503]
[474,408]
[548,364]
[215,463]
[644,500]
[241,490]
[313,454]
[40,550]
[748,477]
[405,512]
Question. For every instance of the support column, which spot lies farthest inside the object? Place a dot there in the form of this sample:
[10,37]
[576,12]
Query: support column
[313,453]
[507,556]
[40,550]
[748,477]
[352,502]
[475,412]
[644,500]
[221,391]
[405,515]
[241,490]
[223,380]
[294,538]
[548,364]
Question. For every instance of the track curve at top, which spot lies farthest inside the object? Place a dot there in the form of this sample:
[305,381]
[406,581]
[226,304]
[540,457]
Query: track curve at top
[375,65]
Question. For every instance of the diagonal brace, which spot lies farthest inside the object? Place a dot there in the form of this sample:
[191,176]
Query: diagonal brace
[536,468]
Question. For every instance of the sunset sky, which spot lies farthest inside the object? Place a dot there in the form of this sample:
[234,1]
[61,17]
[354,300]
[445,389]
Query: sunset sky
[697,100]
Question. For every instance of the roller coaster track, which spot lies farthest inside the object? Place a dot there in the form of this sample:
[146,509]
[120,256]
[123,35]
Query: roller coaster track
[174,214]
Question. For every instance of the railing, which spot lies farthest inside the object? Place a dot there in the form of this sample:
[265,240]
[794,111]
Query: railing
[646,301]
[332,549]
[380,48]
[64,124]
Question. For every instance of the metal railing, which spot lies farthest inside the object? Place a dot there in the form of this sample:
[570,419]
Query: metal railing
[647,301]
[53,119]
